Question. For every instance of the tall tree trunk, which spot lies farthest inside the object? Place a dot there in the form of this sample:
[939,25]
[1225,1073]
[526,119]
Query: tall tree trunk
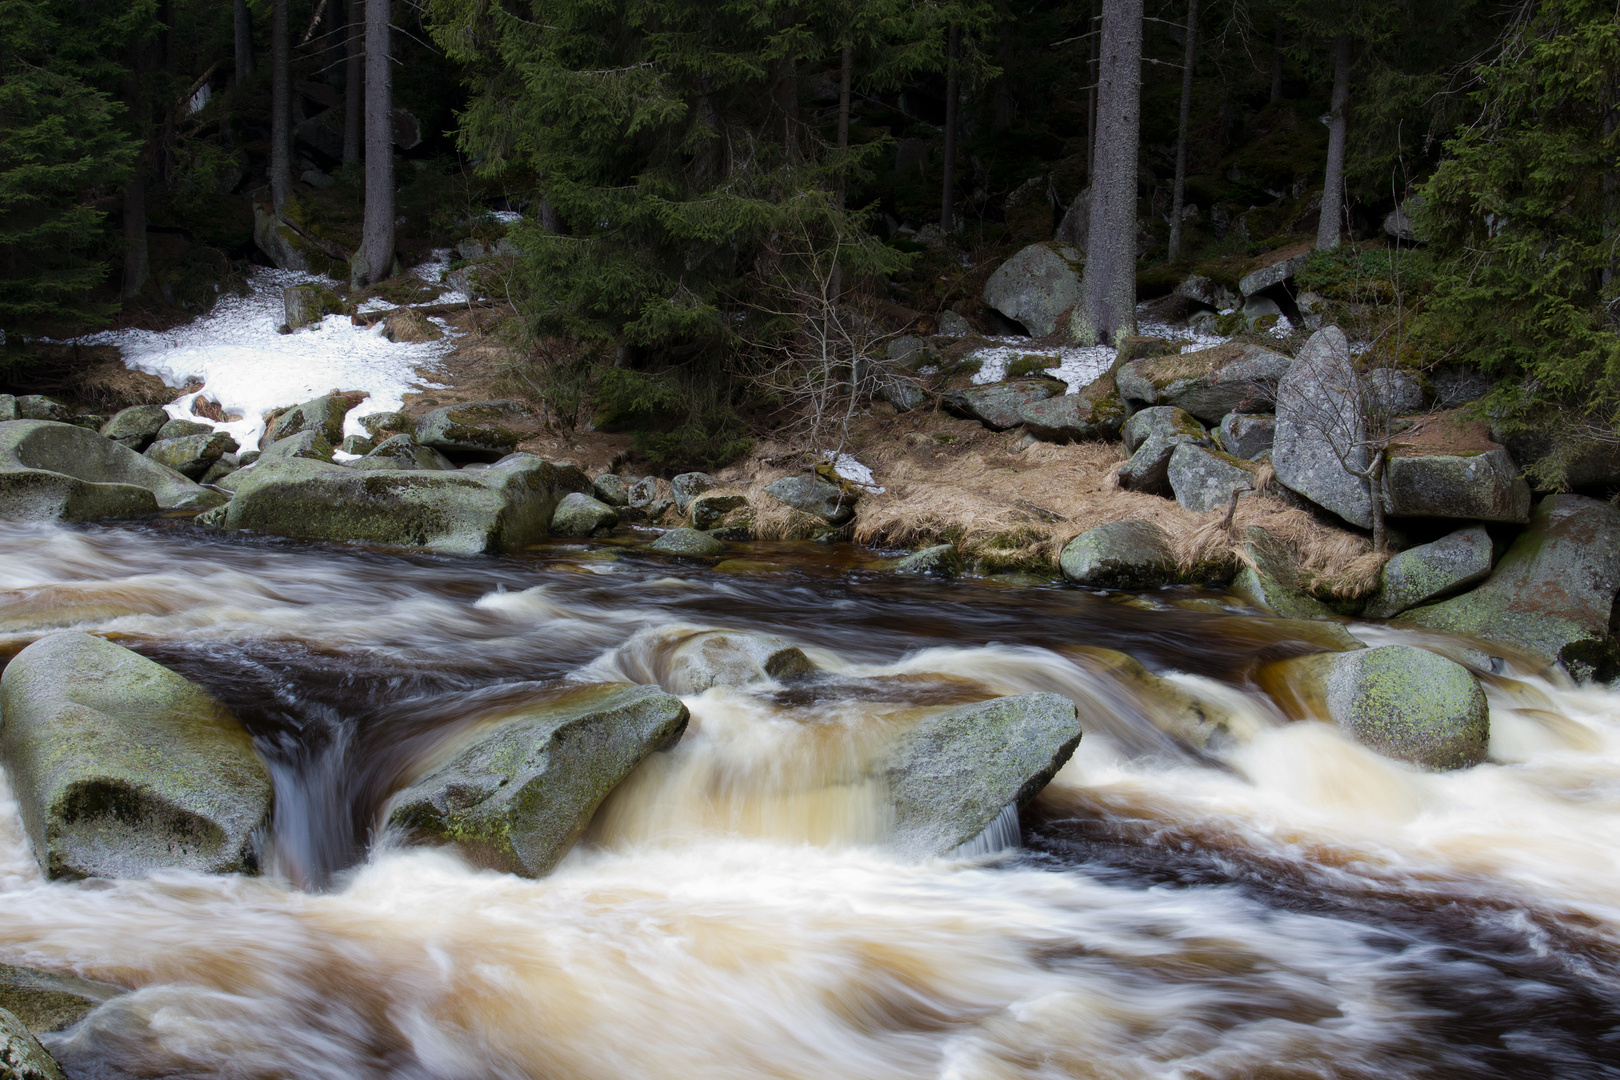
[785,94]
[1180,197]
[354,81]
[244,42]
[947,198]
[280,106]
[1327,232]
[376,259]
[1277,63]
[1094,44]
[137,259]
[1107,308]
[846,70]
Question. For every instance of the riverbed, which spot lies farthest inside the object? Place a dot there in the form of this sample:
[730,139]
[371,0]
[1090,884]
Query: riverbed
[1287,905]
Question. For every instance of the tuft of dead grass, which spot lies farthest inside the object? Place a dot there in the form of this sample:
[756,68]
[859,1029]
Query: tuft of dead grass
[409,326]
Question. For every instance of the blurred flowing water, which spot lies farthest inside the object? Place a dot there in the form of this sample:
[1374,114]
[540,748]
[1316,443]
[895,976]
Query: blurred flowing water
[1288,905]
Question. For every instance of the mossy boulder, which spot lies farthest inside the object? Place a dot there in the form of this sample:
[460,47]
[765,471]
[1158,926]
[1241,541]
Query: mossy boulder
[1321,429]
[712,507]
[499,508]
[688,486]
[689,542]
[308,445]
[1162,421]
[8,408]
[1036,286]
[1430,571]
[1405,703]
[580,515]
[45,1001]
[1209,383]
[193,455]
[380,425]
[612,489]
[122,767]
[1120,555]
[997,405]
[729,658]
[1553,588]
[305,304]
[404,453]
[484,430]
[1095,412]
[1477,486]
[21,1056]
[324,416]
[40,407]
[523,786]
[1205,479]
[61,472]
[813,495]
[359,445]
[940,560]
[1152,437]
[135,427]
[952,772]
[181,429]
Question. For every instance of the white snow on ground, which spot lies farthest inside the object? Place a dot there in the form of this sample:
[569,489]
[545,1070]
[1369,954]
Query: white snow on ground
[853,471]
[248,367]
[1082,365]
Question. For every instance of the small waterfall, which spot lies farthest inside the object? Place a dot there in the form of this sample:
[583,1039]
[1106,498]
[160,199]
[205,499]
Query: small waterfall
[1000,835]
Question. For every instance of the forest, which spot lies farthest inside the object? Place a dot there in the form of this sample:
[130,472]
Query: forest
[685,203]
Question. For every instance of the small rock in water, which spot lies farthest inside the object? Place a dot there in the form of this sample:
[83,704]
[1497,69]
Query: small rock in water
[732,658]
[712,508]
[1120,555]
[687,542]
[1429,571]
[580,515]
[813,495]
[941,560]
[643,492]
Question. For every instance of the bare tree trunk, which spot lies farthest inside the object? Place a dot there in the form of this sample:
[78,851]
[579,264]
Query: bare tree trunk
[137,260]
[376,255]
[244,42]
[354,81]
[785,93]
[280,106]
[1327,232]
[1375,492]
[550,220]
[1180,197]
[1095,43]
[846,70]
[947,198]
[1277,63]
[1107,308]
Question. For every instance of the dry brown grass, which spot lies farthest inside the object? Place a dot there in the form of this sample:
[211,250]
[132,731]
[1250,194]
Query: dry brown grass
[411,326]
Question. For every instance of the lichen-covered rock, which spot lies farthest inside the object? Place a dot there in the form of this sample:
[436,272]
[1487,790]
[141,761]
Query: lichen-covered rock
[941,560]
[39,407]
[729,658]
[1268,578]
[381,425]
[523,788]
[21,1056]
[1393,392]
[1274,273]
[687,542]
[181,429]
[403,453]
[482,429]
[1429,571]
[813,495]
[709,508]
[122,767]
[8,408]
[997,405]
[1321,429]
[1405,703]
[688,486]
[193,455]
[357,444]
[135,427]
[1120,555]
[953,325]
[305,304]
[278,242]
[467,512]
[903,393]
[1198,723]
[1473,486]
[580,515]
[1095,412]
[955,771]
[1553,589]
[1152,436]
[644,492]
[1164,421]
[61,472]
[1209,383]
[45,1001]
[1035,286]
[612,489]
[310,445]
[1204,479]
[323,416]
[1247,435]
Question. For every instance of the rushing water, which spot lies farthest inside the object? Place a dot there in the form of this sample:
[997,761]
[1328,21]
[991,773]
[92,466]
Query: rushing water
[1291,905]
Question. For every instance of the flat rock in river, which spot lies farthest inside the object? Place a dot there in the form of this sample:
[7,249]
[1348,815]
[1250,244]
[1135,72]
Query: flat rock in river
[954,771]
[62,472]
[45,1001]
[122,767]
[523,786]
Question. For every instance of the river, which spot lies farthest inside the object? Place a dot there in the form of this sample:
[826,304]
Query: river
[1288,906]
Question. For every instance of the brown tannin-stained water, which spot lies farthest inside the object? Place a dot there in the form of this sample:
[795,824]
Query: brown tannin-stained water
[1290,906]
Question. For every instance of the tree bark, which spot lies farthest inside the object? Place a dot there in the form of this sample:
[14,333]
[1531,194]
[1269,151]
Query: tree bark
[1094,43]
[785,93]
[947,198]
[1180,196]
[137,259]
[1327,232]
[244,42]
[1107,308]
[1277,63]
[846,70]
[280,106]
[376,258]
[354,81]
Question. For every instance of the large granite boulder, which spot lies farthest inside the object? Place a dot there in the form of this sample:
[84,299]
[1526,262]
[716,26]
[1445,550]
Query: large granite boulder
[813,495]
[21,1056]
[500,508]
[482,430]
[122,767]
[46,1001]
[1120,555]
[1036,286]
[1552,590]
[997,405]
[1204,479]
[1209,383]
[1152,436]
[1321,426]
[62,472]
[1430,571]
[1405,703]
[1475,486]
[1094,412]
[403,453]
[523,786]
[953,773]
[134,427]
[688,486]
[193,455]
[324,416]
[581,515]
[1279,269]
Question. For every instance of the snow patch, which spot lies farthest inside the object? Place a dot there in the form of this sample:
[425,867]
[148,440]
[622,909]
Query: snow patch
[853,471]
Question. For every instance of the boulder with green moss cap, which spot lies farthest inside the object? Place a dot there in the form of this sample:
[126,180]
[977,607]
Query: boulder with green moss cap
[1431,571]
[1120,555]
